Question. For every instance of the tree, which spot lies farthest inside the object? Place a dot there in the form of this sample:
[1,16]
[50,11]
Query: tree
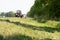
[2,14]
[45,8]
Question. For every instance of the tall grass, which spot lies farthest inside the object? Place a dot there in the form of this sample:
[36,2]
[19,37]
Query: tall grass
[28,29]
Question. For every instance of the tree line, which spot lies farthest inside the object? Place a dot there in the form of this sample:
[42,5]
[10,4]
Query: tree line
[45,9]
[7,14]
[18,13]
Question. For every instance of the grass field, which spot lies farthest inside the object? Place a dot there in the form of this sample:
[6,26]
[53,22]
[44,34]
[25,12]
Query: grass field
[28,29]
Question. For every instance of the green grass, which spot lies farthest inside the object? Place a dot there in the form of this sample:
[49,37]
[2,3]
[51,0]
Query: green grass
[28,29]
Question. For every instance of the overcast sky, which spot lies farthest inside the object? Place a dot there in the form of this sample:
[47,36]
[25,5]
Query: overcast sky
[13,5]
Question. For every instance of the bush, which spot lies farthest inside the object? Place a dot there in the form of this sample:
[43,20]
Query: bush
[1,37]
[58,25]
[42,20]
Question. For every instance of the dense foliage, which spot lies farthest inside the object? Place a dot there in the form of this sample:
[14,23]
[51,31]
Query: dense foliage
[48,9]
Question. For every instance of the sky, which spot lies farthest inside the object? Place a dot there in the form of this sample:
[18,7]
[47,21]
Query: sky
[13,5]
